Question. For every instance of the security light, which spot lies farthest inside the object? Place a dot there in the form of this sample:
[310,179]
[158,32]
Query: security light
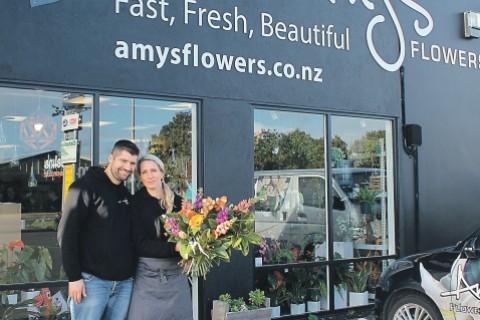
[472,24]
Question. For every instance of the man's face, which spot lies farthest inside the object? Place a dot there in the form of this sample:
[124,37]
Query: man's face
[121,165]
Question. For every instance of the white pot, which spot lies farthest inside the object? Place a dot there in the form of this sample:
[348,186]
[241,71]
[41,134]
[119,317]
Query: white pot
[27,295]
[358,298]
[12,298]
[340,297]
[275,311]
[324,303]
[313,306]
[297,308]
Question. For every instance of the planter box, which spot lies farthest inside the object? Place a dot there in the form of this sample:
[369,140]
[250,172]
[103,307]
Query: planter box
[340,297]
[314,306]
[10,299]
[358,298]
[275,311]
[220,311]
[297,308]
[28,295]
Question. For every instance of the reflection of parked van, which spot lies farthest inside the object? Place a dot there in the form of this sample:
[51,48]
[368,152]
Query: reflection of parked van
[292,205]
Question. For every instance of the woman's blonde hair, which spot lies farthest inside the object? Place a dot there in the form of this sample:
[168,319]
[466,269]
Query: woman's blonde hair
[168,196]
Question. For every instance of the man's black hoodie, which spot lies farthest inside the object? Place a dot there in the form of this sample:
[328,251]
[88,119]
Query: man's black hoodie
[95,229]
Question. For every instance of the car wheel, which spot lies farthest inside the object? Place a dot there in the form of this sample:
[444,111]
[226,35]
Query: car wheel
[412,306]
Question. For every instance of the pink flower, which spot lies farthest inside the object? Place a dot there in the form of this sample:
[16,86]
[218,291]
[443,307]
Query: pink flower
[243,206]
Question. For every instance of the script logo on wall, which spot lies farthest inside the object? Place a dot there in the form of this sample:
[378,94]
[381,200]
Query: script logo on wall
[421,31]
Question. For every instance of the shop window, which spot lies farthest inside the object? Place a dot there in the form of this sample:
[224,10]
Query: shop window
[297,206]
[163,128]
[36,170]
[362,165]
[32,181]
[289,183]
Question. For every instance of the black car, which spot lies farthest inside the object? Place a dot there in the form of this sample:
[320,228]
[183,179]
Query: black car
[435,285]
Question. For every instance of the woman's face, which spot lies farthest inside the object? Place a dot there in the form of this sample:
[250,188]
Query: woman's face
[150,174]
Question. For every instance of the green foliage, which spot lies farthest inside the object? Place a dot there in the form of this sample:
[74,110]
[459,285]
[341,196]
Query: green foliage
[277,291]
[24,265]
[297,284]
[44,224]
[341,272]
[316,285]
[312,317]
[173,146]
[256,298]
[234,305]
[366,195]
[369,146]
[358,278]
[293,150]
[283,255]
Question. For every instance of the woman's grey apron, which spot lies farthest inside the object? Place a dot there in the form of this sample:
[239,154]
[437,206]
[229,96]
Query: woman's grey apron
[160,291]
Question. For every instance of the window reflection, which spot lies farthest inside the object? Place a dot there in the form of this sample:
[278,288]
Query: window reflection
[163,128]
[361,160]
[32,178]
[289,184]
[33,175]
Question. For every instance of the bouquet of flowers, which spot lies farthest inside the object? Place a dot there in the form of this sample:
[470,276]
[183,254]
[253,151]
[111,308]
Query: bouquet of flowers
[208,230]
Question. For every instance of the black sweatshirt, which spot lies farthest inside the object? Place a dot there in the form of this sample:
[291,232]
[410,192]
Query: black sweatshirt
[148,233]
[95,229]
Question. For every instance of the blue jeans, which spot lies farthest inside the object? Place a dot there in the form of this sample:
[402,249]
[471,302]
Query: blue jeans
[106,300]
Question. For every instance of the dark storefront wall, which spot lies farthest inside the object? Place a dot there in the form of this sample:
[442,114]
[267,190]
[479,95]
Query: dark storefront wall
[73,45]
[442,98]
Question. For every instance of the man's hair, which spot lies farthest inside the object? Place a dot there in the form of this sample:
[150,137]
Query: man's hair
[126,145]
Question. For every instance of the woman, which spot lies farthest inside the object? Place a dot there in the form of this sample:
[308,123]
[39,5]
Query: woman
[160,290]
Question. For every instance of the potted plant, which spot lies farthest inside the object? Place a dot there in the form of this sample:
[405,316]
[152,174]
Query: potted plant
[358,280]
[316,289]
[228,308]
[24,263]
[277,292]
[340,280]
[368,199]
[21,264]
[297,289]
[266,250]
[284,254]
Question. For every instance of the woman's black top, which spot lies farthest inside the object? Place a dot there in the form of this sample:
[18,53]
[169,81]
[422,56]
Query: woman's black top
[148,232]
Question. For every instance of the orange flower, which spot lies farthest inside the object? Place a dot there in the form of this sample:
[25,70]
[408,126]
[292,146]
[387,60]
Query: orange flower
[191,214]
[185,207]
[220,203]
[196,221]
[207,205]
[15,244]
[243,206]
[43,299]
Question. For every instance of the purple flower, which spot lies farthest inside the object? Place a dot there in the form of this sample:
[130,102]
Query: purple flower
[198,201]
[172,224]
[223,215]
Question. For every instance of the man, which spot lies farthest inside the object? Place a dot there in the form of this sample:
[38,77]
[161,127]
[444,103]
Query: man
[54,202]
[95,240]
